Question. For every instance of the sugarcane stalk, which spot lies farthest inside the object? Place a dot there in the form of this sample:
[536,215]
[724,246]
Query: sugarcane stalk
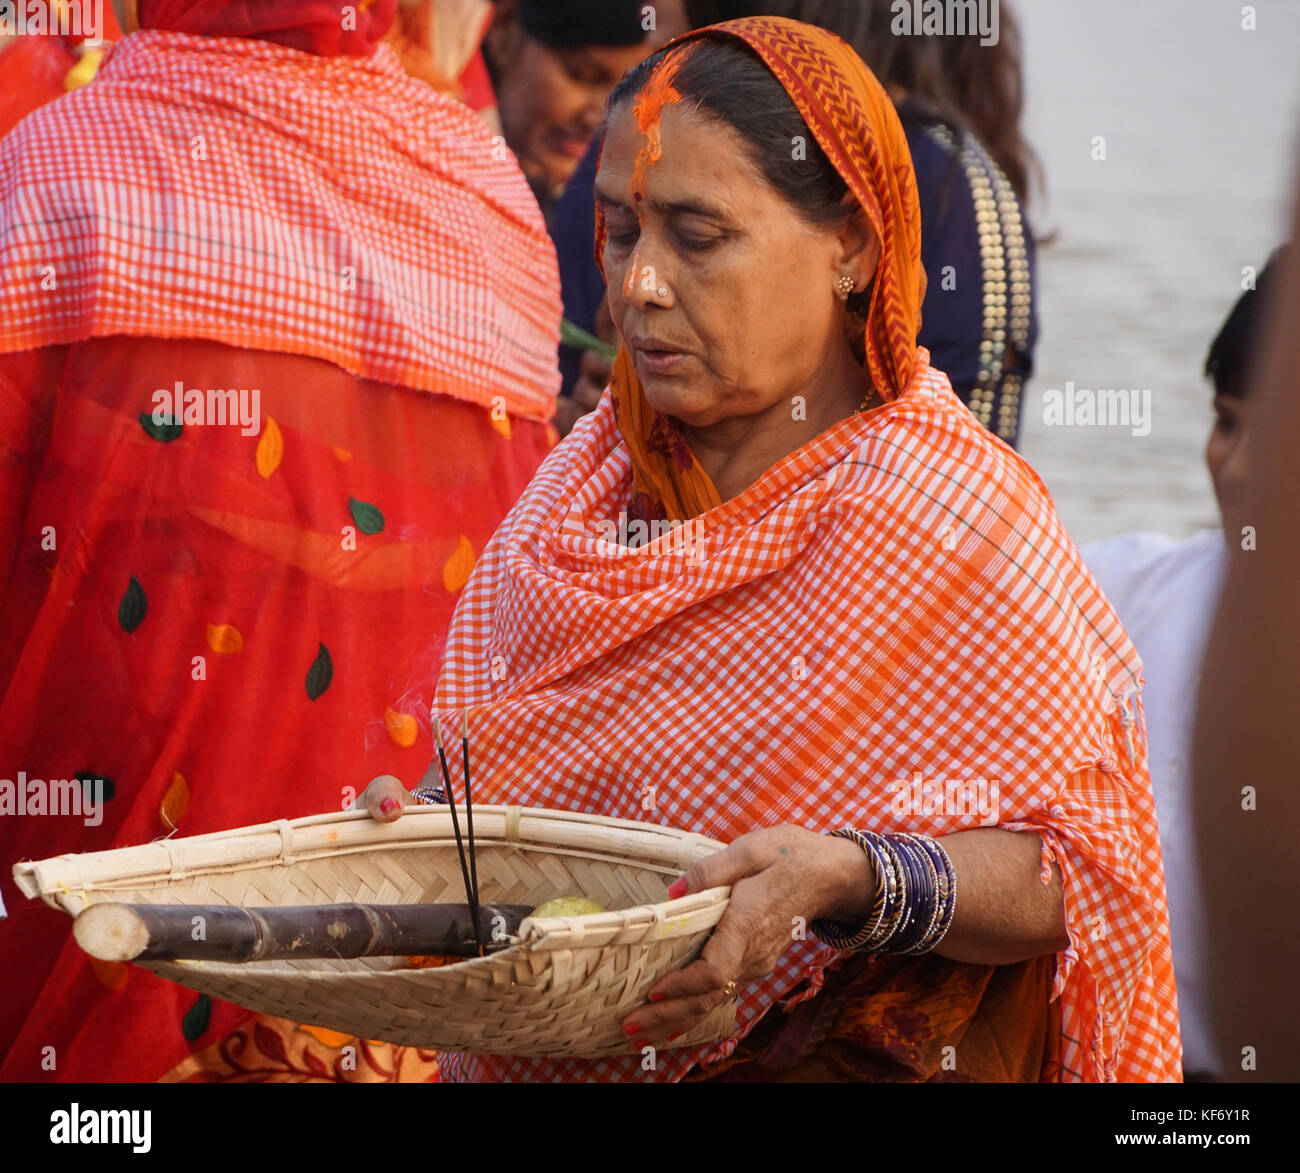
[219,932]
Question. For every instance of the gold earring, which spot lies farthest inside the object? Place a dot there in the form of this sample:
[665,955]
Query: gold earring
[846,284]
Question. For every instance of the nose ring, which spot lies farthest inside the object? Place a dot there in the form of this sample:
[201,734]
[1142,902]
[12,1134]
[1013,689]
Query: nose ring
[662,291]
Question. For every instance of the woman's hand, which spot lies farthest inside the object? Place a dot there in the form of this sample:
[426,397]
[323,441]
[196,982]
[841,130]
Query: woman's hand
[781,878]
[384,798]
[595,373]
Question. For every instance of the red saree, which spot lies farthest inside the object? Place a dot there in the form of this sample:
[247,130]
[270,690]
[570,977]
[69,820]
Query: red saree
[217,623]
[229,628]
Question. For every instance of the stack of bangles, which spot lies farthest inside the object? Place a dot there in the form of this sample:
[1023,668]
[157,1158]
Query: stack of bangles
[915,896]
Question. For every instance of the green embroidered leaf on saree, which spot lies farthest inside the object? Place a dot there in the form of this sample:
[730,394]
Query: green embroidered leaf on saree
[319,674]
[165,432]
[196,1019]
[369,520]
[131,610]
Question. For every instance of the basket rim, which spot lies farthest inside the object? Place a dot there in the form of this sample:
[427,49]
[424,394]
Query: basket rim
[61,880]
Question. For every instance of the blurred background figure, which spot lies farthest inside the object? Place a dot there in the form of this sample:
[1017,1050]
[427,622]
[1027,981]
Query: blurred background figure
[225,605]
[553,64]
[1247,732]
[960,103]
[440,42]
[1165,590]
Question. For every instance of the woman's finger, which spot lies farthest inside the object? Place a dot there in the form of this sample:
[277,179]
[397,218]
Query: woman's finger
[678,1002]
[667,1017]
[384,798]
[702,976]
[682,999]
[717,871]
[665,1021]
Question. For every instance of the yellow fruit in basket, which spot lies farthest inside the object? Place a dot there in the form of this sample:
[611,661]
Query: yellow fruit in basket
[567,906]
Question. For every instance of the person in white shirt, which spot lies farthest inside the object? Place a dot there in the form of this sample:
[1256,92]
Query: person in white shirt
[1164,591]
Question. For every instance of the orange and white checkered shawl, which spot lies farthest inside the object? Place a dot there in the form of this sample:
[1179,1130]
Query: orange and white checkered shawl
[895,598]
[244,192]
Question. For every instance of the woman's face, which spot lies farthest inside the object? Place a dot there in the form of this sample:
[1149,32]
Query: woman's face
[722,292]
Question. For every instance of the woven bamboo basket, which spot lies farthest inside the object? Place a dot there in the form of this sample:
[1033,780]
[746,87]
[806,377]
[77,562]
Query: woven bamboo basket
[559,989]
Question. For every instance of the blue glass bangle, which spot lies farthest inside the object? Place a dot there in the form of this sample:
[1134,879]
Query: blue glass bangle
[926,908]
[918,903]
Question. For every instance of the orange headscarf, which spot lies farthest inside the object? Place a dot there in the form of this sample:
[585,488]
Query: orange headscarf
[854,122]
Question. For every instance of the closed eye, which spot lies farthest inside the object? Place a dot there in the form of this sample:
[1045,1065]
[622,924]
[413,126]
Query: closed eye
[697,244]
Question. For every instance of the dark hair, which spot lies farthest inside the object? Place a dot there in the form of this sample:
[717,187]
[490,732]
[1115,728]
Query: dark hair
[1231,360]
[571,24]
[706,12]
[953,79]
[726,80]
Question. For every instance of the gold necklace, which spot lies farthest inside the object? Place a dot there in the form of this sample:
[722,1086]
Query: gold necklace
[866,401]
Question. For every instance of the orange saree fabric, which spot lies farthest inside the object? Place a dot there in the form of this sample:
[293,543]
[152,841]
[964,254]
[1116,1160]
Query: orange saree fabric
[38,67]
[889,621]
[893,607]
[313,26]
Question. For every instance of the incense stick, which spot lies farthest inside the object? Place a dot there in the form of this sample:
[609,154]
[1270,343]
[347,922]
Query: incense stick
[469,806]
[471,895]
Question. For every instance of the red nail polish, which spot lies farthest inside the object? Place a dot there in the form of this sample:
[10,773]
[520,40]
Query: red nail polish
[678,889]
[389,805]
[631,1028]
[678,1035]
[656,997]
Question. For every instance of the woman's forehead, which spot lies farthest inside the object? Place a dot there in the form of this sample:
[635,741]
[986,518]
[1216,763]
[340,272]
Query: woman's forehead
[702,160]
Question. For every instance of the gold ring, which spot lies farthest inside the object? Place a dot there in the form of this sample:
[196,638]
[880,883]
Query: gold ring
[729,990]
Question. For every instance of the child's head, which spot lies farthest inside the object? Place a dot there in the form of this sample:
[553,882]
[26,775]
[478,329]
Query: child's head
[1230,367]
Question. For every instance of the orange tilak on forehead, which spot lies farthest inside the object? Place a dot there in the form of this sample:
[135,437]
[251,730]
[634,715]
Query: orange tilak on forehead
[648,109]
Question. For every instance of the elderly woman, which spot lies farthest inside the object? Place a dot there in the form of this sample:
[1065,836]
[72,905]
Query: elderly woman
[873,662]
